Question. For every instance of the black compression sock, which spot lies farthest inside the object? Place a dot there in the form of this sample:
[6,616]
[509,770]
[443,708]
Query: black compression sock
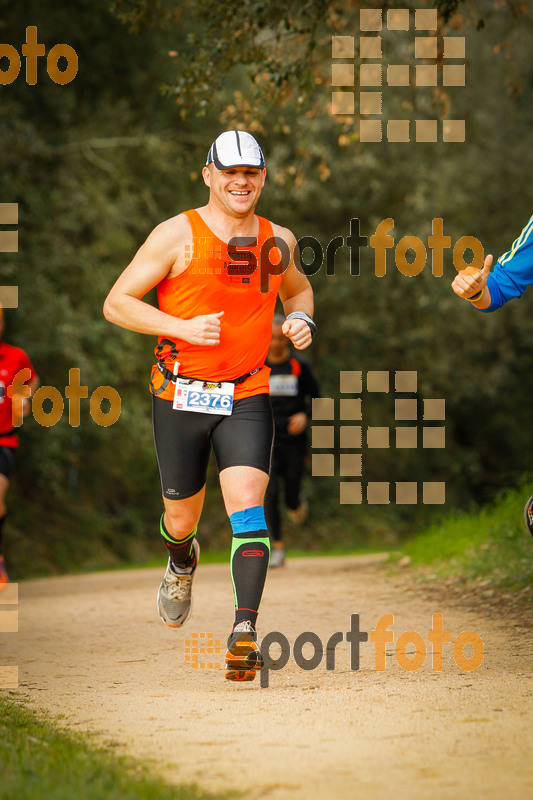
[181,551]
[249,565]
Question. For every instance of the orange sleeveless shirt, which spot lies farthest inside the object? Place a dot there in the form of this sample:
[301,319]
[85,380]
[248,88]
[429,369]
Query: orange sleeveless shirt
[215,281]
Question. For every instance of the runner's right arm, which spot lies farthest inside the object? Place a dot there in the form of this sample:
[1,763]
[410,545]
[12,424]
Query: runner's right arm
[162,255]
[512,275]
[467,286]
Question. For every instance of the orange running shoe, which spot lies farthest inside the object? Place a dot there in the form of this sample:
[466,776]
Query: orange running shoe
[243,658]
[3,574]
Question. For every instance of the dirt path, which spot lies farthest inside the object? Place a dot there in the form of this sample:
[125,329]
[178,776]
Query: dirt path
[93,649]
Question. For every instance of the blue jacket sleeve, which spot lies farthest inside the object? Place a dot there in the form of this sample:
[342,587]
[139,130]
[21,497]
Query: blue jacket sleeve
[513,271]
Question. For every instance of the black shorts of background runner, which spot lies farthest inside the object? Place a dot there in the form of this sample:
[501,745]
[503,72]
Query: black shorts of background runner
[7,460]
[184,439]
[288,460]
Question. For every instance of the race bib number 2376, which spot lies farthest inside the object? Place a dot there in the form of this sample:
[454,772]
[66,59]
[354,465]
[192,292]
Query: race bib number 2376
[204,398]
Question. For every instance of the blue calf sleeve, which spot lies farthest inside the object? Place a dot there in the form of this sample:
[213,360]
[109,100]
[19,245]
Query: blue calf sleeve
[251,519]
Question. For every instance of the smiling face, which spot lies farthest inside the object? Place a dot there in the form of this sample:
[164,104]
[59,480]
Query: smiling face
[236,190]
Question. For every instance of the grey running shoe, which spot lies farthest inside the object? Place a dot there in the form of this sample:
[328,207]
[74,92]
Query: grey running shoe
[277,557]
[174,598]
[243,658]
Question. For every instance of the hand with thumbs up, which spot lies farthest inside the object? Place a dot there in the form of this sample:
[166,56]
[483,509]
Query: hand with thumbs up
[470,284]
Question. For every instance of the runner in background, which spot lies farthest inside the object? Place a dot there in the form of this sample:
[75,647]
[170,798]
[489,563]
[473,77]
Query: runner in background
[12,360]
[292,387]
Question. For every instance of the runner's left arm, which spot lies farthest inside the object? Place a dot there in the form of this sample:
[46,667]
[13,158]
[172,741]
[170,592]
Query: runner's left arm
[21,402]
[296,294]
[34,385]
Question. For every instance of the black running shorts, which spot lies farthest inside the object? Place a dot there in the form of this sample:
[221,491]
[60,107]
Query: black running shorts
[7,460]
[184,439]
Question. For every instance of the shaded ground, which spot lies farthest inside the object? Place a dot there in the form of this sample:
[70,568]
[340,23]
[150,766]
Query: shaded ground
[92,648]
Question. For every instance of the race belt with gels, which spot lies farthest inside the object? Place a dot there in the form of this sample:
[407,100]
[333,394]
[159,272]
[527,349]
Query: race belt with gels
[202,396]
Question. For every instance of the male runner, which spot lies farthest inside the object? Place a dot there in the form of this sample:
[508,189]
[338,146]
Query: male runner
[12,360]
[216,303]
[488,291]
[292,387]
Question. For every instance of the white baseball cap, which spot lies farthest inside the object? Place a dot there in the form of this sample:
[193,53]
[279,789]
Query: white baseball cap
[235,149]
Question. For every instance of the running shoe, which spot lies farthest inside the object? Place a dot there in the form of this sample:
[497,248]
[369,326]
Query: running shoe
[528,515]
[277,557]
[4,580]
[243,658]
[174,598]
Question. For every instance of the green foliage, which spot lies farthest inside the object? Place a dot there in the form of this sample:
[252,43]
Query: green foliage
[97,163]
[266,46]
[38,760]
[490,543]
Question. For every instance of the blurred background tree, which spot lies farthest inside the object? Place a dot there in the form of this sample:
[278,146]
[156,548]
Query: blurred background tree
[97,163]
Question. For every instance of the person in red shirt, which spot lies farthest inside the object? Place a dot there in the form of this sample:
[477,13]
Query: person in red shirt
[12,360]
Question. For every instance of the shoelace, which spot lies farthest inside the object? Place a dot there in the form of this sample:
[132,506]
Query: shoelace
[179,587]
[244,627]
